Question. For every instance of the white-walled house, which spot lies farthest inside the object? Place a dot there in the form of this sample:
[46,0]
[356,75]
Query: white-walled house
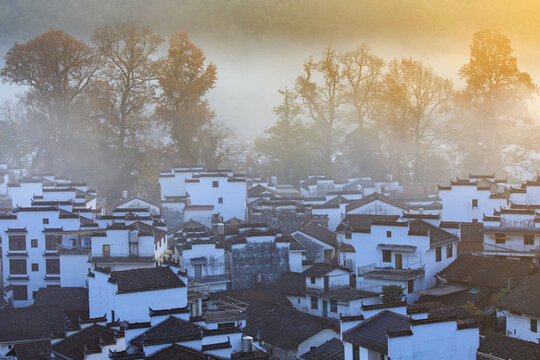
[388,335]
[328,293]
[173,182]
[521,308]
[467,200]
[126,295]
[320,243]
[393,252]
[513,233]
[227,194]
[376,204]
[30,237]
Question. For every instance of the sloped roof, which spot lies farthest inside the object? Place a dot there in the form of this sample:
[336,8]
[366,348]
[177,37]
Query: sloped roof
[525,298]
[505,347]
[170,330]
[472,232]
[31,351]
[321,269]
[90,338]
[70,299]
[372,333]
[146,279]
[362,222]
[436,235]
[373,197]
[283,326]
[31,323]
[179,352]
[318,232]
[330,350]
[485,271]
[259,190]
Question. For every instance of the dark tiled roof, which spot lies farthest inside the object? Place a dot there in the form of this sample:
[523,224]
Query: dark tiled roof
[169,331]
[472,232]
[436,235]
[525,298]
[330,350]
[192,225]
[321,269]
[31,351]
[320,233]
[362,222]
[372,333]
[88,339]
[146,279]
[283,326]
[31,323]
[373,197]
[504,347]
[259,190]
[485,271]
[178,352]
[70,299]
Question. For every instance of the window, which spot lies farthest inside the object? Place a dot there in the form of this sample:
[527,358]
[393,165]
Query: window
[227,325]
[500,238]
[388,234]
[528,240]
[133,249]
[438,254]
[215,184]
[474,203]
[106,251]
[313,279]
[51,242]
[410,286]
[20,292]
[17,242]
[333,306]
[314,303]
[348,235]
[198,270]
[355,352]
[34,295]
[220,200]
[534,325]
[45,221]
[17,267]
[387,256]
[449,251]
[52,266]
[33,243]
[35,267]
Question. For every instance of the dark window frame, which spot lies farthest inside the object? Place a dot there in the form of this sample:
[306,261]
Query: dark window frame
[388,233]
[333,305]
[215,183]
[438,254]
[449,250]
[528,239]
[18,292]
[220,200]
[348,235]
[45,221]
[18,267]
[35,267]
[314,303]
[17,242]
[500,238]
[34,243]
[474,203]
[52,266]
[534,325]
[387,256]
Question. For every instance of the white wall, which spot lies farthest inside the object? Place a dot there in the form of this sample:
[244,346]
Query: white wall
[457,203]
[73,270]
[519,326]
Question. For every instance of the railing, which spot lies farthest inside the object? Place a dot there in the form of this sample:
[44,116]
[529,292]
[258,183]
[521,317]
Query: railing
[198,291]
[220,310]
[379,266]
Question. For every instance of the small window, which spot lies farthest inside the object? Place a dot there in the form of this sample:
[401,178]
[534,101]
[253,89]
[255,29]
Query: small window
[348,235]
[528,240]
[226,325]
[33,243]
[474,203]
[438,253]
[106,250]
[449,251]
[220,200]
[313,279]
[410,286]
[17,267]
[314,302]
[35,267]
[387,256]
[52,266]
[215,184]
[20,292]
[500,238]
[333,305]
[388,234]
[534,325]
[45,221]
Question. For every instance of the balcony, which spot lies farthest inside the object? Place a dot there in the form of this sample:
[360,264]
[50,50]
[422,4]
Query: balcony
[224,310]
[197,291]
[121,258]
[372,271]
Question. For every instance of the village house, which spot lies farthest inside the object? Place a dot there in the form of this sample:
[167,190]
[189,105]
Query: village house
[388,335]
[394,252]
[376,204]
[319,242]
[467,200]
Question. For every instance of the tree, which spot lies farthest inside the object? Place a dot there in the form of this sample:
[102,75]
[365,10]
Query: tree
[284,144]
[126,80]
[57,68]
[320,89]
[495,96]
[416,103]
[392,294]
[184,79]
